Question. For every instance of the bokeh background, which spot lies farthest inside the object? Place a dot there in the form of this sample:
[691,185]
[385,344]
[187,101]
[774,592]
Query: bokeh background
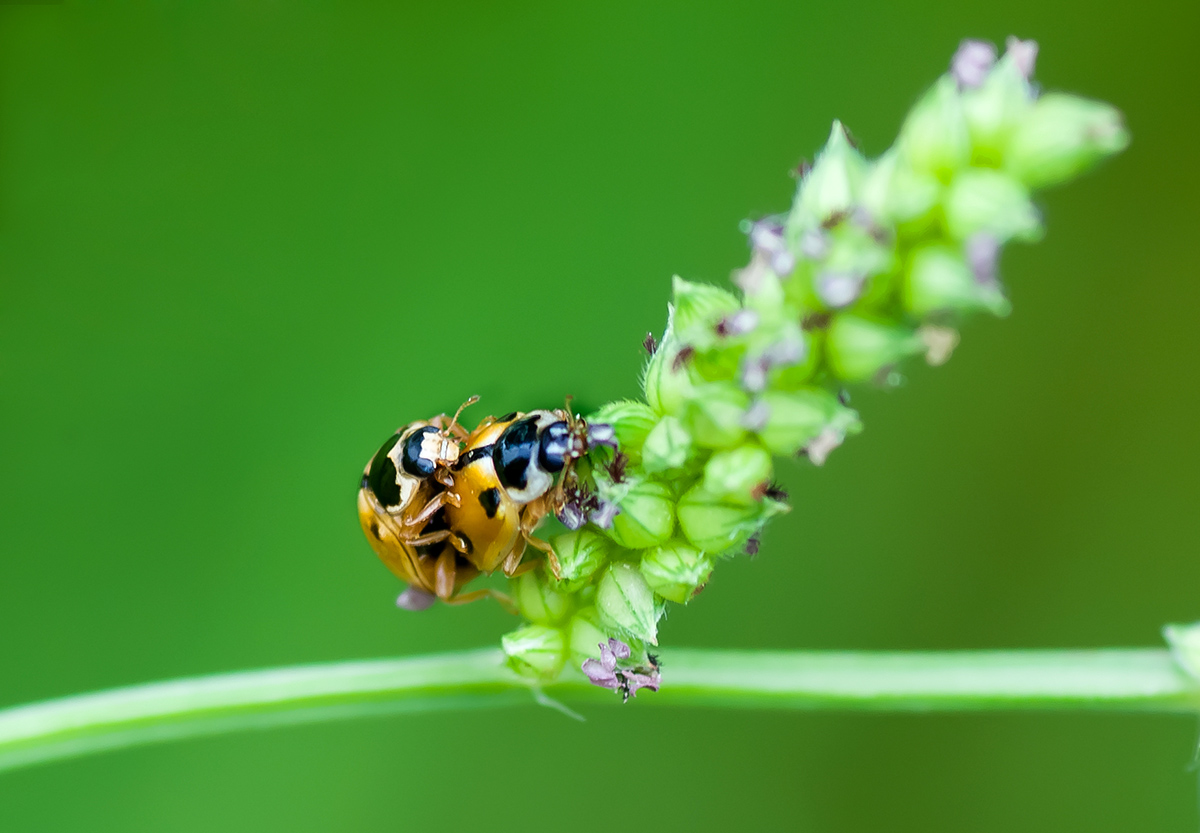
[241,242]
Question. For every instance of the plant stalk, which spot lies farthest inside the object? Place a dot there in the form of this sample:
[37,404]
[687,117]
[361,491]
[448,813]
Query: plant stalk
[1105,679]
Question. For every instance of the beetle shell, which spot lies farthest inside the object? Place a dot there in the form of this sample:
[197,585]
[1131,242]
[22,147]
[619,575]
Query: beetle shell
[486,518]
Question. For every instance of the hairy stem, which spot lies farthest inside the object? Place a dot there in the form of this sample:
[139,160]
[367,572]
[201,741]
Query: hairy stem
[1111,679]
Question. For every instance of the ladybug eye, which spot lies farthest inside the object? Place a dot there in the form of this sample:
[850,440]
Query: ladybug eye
[413,458]
[553,446]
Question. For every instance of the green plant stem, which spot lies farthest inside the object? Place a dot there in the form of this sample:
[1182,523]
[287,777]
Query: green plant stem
[1116,679]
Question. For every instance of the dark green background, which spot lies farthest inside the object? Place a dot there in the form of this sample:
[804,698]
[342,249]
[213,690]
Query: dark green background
[241,243]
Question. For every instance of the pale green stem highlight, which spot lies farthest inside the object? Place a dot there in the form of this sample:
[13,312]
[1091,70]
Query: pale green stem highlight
[1109,679]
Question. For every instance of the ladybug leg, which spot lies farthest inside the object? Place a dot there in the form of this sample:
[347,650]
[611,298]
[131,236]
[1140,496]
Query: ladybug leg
[444,574]
[551,557]
[431,508]
[431,538]
[531,518]
[512,561]
[443,476]
[505,600]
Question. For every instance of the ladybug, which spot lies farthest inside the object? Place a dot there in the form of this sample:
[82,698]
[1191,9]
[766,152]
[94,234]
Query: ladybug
[512,473]
[438,515]
[401,508]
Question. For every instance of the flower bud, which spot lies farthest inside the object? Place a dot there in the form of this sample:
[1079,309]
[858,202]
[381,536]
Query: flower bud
[895,192]
[832,185]
[858,348]
[625,602]
[715,415]
[1062,137]
[646,516]
[715,524]
[669,381]
[995,110]
[676,570]
[739,474]
[796,418]
[698,309]
[536,651]
[934,138]
[580,555]
[667,447]
[631,423]
[538,600]
[585,633]
[939,279]
[987,201]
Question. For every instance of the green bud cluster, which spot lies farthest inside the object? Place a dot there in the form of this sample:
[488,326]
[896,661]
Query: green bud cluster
[877,262]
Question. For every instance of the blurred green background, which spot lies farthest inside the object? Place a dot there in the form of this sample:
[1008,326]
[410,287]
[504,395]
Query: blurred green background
[242,242]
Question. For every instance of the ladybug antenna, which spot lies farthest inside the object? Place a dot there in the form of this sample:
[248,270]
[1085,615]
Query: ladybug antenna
[470,401]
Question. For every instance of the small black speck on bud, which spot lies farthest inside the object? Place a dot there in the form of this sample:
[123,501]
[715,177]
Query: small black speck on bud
[972,63]
[843,396]
[683,357]
[801,170]
[616,467]
[752,545]
[816,321]
[650,344]
[834,220]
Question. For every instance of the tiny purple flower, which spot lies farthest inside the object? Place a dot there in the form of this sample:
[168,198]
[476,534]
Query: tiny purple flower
[603,516]
[972,62]
[814,244]
[754,373]
[787,351]
[612,673]
[415,599]
[982,251]
[1024,54]
[740,323]
[839,289]
[819,449]
[756,416]
[766,237]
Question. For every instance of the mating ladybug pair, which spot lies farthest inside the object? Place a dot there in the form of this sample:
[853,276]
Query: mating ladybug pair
[440,505]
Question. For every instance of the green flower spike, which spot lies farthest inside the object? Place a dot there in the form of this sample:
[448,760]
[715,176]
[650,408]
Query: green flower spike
[877,263]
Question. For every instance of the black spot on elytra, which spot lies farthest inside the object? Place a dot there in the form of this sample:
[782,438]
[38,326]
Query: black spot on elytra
[381,474]
[471,456]
[374,529]
[489,499]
